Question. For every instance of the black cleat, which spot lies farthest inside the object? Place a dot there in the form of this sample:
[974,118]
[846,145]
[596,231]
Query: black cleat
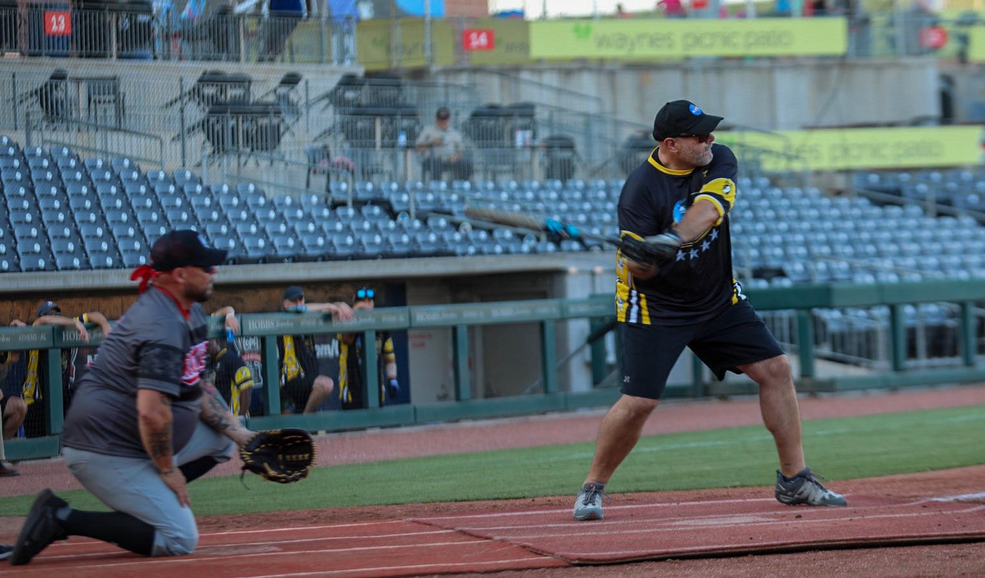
[40,529]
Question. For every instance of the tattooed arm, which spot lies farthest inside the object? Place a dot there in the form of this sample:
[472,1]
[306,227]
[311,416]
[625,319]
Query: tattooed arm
[216,414]
[155,422]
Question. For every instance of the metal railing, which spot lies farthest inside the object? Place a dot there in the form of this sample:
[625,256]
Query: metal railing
[97,140]
[135,31]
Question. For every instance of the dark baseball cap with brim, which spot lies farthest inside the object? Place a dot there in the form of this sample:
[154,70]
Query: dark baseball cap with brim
[443,113]
[682,117]
[184,248]
[293,293]
[49,308]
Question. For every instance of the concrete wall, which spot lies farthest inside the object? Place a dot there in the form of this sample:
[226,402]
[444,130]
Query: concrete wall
[766,95]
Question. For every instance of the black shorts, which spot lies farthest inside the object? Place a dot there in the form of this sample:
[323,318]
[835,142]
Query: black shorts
[734,337]
[294,394]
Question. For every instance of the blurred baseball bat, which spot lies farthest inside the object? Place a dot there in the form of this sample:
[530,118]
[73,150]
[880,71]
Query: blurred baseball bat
[527,221]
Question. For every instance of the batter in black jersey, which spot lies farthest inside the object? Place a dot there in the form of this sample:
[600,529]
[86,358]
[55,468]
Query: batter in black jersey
[679,201]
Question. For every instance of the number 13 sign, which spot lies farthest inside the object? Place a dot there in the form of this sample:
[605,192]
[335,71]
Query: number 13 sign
[57,23]
[478,39]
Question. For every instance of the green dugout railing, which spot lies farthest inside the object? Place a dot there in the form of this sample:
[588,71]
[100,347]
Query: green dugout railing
[599,310]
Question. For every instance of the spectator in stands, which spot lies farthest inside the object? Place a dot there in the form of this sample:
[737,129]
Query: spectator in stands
[12,407]
[671,8]
[621,11]
[228,372]
[6,469]
[302,387]
[49,313]
[345,16]
[443,148]
[352,375]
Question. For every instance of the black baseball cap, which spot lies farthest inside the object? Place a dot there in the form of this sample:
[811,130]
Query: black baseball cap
[293,293]
[443,113]
[682,117]
[48,308]
[184,248]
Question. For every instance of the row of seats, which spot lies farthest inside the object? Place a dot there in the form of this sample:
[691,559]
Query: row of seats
[961,188]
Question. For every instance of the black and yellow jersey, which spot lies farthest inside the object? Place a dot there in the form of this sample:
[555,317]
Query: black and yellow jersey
[351,370]
[698,281]
[231,376]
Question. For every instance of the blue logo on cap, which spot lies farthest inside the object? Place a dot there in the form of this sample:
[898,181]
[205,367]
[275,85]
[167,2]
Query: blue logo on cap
[694,109]
[202,240]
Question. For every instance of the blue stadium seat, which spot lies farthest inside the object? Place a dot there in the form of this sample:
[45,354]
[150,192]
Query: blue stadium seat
[95,164]
[92,231]
[216,229]
[255,200]
[154,231]
[133,259]
[35,152]
[343,246]
[139,187]
[53,218]
[102,176]
[35,263]
[179,218]
[256,248]
[11,163]
[131,176]
[183,177]
[119,217]
[83,203]
[371,245]
[121,164]
[109,259]
[156,178]
[23,216]
[313,247]
[210,216]
[283,248]
[74,176]
[67,163]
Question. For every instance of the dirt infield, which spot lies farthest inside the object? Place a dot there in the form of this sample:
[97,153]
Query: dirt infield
[938,560]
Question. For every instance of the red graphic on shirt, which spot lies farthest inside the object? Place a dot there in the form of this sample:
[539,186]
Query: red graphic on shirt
[194,364]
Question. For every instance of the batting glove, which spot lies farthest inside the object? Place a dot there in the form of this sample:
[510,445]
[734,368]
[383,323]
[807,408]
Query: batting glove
[559,231]
[665,244]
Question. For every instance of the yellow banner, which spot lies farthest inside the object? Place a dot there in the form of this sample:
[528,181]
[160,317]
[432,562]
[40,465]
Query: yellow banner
[976,43]
[670,38]
[860,148]
[375,48]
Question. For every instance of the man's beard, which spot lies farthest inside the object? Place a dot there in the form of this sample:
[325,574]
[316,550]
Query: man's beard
[199,296]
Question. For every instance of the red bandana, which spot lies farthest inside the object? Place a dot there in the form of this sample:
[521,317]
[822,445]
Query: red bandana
[145,273]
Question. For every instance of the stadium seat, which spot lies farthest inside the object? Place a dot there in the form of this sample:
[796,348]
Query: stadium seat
[121,164]
[343,246]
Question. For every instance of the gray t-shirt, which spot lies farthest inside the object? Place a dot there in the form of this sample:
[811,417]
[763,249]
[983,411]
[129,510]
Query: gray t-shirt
[153,347]
[452,141]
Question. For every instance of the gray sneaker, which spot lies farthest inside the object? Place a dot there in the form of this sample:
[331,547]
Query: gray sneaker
[805,489]
[588,504]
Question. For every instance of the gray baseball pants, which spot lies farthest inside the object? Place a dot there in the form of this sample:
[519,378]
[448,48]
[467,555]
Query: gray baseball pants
[134,486]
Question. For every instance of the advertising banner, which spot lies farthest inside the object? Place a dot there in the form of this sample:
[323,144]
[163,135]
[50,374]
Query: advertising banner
[861,148]
[676,38]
